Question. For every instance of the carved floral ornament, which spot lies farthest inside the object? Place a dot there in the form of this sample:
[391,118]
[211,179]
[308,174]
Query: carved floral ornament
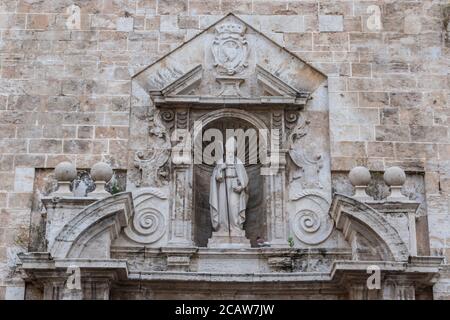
[230,49]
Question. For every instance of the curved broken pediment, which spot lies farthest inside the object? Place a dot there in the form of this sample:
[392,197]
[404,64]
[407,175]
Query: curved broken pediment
[367,230]
[103,220]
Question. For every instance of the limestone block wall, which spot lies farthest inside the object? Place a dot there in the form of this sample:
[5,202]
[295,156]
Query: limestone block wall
[66,65]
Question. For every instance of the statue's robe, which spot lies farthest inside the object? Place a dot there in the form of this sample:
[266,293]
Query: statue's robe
[228,206]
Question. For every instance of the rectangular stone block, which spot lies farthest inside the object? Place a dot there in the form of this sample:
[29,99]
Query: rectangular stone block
[380,149]
[30,160]
[197,7]
[20,200]
[45,146]
[3,200]
[392,133]
[344,8]
[269,7]
[7,131]
[6,181]
[168,23]
[303,7]
[361,70]
[373,99]
[23,180]
[12,21]
[331,23]
[415,150]
[13,146]
[113,132]
[111,40]
[429,134]
[389,116]
[39,21]
[298,41]
[15,293]
[77,146]
[418,116]
[236,6]
[172,6]
[348,149]
[125,24]
[444,151]
[365,84]
[330,41]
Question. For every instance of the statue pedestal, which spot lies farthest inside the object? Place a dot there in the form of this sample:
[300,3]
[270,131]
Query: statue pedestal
[226,241]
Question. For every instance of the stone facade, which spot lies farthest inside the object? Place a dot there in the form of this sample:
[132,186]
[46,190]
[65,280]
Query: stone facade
[91,81]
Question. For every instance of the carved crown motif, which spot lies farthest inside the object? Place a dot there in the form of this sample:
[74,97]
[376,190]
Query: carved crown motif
[231,28]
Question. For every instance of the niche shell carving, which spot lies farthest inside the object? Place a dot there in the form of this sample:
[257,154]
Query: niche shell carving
[230,49]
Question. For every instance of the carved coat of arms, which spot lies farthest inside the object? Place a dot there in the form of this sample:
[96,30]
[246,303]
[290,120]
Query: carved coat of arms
[230,49]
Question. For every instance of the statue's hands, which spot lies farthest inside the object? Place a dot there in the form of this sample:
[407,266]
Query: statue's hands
[238,189]
[220,173]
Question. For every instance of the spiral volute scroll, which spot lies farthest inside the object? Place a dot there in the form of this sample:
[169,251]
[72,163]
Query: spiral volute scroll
[311,223]
[148,224]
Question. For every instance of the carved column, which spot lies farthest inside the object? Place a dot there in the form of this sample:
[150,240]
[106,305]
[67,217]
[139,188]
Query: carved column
[96,289]
[276,210]
[276,182]
[181,208]
[398,290]
[53,290]
[361,292]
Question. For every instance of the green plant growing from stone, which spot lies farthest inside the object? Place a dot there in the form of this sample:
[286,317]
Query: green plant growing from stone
[291,241]
[115,187]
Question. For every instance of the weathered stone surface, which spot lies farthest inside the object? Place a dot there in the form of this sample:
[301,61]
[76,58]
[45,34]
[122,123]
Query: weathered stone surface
[331,23]
[68,93]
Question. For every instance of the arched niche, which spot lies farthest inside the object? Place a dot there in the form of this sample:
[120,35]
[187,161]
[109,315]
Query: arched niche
[256,222]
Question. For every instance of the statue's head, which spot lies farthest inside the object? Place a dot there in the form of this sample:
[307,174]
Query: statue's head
[230,149]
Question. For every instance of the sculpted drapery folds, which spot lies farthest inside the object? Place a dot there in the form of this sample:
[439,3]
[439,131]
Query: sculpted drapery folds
[228,193]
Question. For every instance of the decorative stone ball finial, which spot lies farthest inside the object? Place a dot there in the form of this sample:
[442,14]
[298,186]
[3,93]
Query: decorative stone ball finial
[395,177]
[65,173]
[360,178]
[101,172]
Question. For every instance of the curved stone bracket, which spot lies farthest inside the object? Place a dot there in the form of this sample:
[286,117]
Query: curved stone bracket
[106,217]
[358,220]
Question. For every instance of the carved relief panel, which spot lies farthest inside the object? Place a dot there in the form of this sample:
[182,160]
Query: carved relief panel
[232,71]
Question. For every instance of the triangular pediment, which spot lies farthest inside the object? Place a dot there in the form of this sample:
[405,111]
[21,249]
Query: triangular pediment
[229,62]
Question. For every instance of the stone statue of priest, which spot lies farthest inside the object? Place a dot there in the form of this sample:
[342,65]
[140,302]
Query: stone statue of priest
[228,194]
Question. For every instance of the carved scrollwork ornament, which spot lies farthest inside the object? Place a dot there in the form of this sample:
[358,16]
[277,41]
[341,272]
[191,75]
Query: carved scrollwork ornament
[311,223]
[307,167]
[290,118]
[168,117]
[299,131]
[152,162]
[148,224]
